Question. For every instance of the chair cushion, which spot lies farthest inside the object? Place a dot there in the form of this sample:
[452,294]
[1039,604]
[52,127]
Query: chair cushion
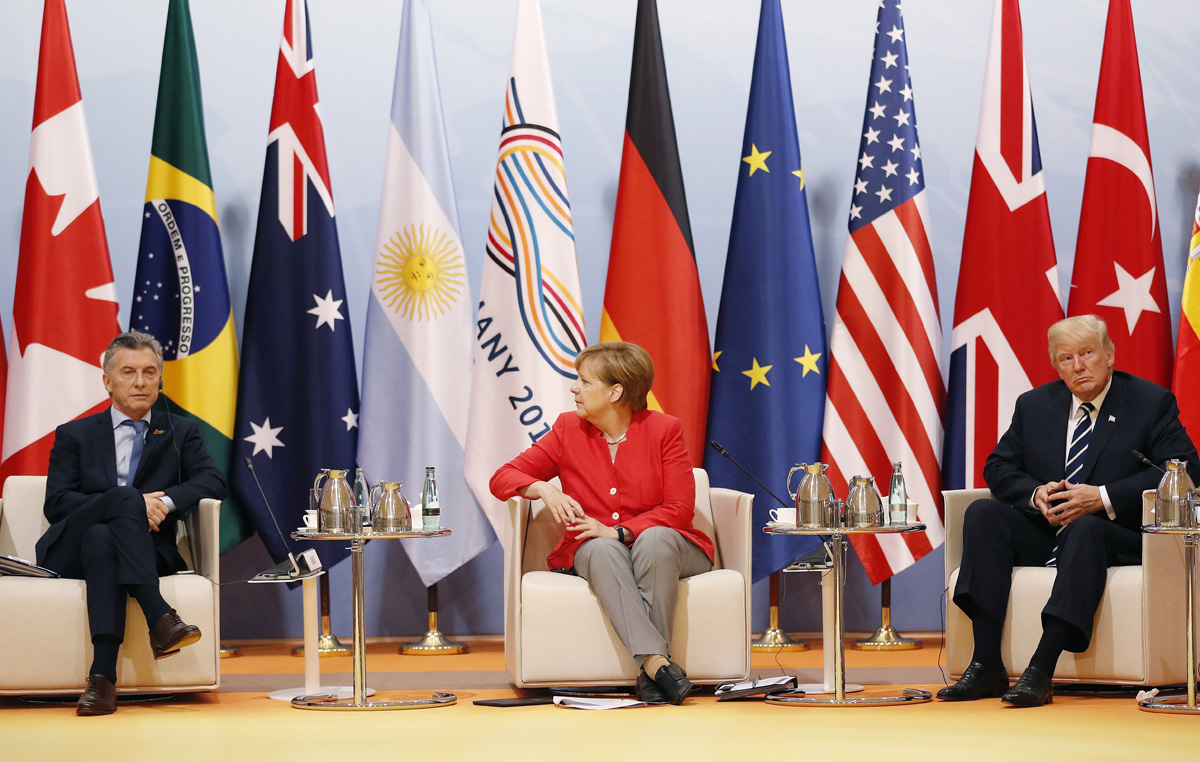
[1119,620]
[44,636]
[567,639]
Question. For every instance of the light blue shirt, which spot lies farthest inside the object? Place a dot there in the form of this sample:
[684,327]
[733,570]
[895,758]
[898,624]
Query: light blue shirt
[123,438]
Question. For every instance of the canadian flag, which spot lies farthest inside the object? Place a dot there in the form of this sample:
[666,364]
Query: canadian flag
[65,311]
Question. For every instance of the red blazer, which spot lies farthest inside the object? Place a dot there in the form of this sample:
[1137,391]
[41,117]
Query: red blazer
[650,484]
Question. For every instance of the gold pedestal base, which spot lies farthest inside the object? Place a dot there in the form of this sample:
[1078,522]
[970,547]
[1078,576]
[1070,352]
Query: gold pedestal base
[886,639]
[775,639]
[434,644]
[327,645]
[230,652]
[1169,704]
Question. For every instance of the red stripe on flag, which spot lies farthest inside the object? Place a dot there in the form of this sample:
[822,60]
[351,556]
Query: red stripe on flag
[298,198]
[1012,90]
[914,226]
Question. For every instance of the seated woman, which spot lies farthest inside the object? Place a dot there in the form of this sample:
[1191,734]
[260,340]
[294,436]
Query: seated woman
[626,505]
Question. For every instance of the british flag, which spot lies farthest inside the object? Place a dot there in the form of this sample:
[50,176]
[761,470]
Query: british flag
[1008,282]
[886,390]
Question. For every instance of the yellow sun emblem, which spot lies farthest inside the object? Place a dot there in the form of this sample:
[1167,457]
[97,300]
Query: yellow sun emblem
[421,273]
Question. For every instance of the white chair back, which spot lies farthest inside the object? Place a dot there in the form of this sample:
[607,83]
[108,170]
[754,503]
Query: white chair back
[22,520]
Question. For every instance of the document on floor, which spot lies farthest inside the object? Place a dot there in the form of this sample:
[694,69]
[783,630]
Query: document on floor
[579,702]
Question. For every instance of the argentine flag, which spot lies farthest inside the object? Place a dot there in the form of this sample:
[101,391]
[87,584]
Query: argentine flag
[417,360]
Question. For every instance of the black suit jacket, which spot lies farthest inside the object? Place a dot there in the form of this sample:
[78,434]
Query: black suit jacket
[83,463]
[1136,415]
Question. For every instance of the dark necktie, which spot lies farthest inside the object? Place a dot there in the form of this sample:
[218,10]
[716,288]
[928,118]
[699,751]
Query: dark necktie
[1080,438]
[135,456]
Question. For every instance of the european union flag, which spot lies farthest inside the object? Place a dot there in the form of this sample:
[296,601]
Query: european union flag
[297,395]
[768,387]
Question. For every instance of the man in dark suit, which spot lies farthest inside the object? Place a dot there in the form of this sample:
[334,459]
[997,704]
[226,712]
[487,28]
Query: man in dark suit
[118,484]
[1069,494]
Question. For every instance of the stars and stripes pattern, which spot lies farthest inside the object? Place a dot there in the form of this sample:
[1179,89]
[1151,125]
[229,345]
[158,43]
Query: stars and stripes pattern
[886,391]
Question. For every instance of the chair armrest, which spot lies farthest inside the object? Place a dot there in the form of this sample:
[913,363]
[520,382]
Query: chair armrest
[204,536]
[956,503]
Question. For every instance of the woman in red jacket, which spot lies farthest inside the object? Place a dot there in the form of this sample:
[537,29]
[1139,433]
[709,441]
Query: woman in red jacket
[626,505]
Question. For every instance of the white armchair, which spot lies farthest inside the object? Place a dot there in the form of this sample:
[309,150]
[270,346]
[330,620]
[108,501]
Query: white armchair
[44,643]
[1139,633]
[556,634]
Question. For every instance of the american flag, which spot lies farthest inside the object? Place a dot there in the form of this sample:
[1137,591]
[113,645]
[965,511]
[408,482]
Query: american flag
[1005,302]
[886,391]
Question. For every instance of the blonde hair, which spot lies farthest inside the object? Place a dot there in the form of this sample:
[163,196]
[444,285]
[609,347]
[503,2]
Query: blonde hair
[619,362]
[1076,330]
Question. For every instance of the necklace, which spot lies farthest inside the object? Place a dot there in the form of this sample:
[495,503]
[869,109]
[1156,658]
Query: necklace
[618,440]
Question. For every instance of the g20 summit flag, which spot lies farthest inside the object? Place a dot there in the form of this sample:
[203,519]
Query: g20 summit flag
[181,294]
[529,326]
[417,359]
[886,388]
[297,396]
[768,382]
[1118,271]
[65,306]
[1007,297]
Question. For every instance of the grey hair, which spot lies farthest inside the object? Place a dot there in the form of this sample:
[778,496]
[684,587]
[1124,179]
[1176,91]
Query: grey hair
[134,340]
[1076,330]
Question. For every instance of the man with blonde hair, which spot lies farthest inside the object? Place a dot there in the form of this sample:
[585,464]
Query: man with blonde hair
[1068,493]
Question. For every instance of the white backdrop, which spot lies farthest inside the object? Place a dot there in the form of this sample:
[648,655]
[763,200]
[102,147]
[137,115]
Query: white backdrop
[709,47]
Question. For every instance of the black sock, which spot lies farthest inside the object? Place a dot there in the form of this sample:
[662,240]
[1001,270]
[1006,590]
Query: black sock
[151,601]
[987,631]
[1056,634]
[104,656]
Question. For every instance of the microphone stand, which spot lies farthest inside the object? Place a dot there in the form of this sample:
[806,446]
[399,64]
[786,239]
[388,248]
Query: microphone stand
[773,638]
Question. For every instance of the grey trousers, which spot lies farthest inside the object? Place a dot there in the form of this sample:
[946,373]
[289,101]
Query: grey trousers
[638,587]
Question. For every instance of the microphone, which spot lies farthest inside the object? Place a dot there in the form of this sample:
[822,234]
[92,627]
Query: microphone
[291,567]
[713,444]
[1145,460]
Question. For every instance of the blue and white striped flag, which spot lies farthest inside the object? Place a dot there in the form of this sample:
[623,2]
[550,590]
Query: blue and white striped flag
[417,363]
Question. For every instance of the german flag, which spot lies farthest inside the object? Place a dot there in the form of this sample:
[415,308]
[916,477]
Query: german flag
[653,297]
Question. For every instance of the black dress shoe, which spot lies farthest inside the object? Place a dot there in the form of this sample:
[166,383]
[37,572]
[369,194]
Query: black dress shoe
[1035,688]
[648,690]
[170,634]
[977,682]
[99,698]
[674,683]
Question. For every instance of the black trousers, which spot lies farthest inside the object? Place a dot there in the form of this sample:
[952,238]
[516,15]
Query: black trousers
[998,537]
[107,543]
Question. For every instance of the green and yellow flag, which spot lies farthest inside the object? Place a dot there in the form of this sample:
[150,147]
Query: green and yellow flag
[181,294]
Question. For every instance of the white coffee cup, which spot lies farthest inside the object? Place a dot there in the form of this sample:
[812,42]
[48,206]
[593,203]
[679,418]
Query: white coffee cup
[783,515]
[310,519]
[911,509]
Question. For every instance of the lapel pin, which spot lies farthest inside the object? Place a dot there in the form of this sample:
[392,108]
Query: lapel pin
[1112,419]
[164,431]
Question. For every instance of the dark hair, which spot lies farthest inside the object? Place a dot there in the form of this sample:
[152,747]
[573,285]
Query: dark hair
[619,362]
[132,340]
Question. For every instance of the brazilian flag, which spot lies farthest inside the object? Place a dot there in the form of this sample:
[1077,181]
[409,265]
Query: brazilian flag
[181,295]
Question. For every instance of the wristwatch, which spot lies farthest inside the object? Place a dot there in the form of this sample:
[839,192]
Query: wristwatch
[621,535]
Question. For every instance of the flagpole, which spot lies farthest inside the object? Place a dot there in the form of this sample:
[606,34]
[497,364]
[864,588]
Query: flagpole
[434,643]
[327,643]
[886,638]
[773,638]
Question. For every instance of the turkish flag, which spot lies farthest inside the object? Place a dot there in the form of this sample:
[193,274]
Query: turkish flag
[1118,271]
[65,311]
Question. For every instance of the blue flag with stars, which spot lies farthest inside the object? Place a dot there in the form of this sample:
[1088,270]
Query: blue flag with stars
[768,384]
[297,406]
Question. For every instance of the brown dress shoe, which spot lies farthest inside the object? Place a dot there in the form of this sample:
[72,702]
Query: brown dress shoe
[99,698]
[170,634]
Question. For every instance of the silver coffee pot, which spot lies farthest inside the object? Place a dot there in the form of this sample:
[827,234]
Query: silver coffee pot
[1174,500]
[389,509]
[336,511]
[864,506]
[816,505]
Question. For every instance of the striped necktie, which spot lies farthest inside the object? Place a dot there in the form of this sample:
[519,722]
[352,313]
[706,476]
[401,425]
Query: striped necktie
[1080,438]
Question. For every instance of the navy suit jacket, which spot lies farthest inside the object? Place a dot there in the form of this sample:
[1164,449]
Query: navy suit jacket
[83,464]
[1136,415]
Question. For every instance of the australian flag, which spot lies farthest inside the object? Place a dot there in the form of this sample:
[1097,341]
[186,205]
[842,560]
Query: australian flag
[768,387]
[297,406]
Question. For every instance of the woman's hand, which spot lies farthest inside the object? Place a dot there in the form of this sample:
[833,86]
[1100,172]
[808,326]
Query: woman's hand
[564,508]
[587,527]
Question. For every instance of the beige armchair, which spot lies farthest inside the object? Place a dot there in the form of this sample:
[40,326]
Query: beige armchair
[1139,634]
[556,634]
[44,643]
